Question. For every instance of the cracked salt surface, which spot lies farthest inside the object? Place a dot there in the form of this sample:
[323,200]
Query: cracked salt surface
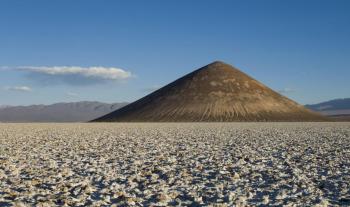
[188,164]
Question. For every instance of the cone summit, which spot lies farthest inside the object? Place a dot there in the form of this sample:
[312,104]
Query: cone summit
[213,93]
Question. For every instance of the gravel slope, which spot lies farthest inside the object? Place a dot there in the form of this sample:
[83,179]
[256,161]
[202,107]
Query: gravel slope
[256,164]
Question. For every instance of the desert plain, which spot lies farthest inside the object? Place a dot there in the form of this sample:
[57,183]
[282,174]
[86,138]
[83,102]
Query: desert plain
[175,164]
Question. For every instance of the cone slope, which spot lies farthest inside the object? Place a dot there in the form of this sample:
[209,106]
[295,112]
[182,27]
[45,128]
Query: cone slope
[215,92]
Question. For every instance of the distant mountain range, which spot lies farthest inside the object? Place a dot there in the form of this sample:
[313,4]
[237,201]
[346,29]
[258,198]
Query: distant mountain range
[59,112]
[337,108]
[87,110]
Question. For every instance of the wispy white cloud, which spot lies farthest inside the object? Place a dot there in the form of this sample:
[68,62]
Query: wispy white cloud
[286,90]
[73,75]
[72,94]
[19,88]
[88,72]
[151,88]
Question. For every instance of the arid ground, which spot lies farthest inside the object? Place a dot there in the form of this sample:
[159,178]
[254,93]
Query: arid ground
[201,164]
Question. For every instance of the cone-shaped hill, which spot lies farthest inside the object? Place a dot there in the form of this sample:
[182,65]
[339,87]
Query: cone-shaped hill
[216,92]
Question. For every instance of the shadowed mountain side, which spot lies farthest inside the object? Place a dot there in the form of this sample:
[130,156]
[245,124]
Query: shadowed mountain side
[59,112]
[216,92]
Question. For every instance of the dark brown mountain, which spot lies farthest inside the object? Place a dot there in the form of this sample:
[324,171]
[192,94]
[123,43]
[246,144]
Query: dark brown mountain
[216,92]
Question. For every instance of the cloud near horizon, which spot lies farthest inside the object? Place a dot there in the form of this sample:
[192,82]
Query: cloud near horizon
[72,94]
[286,90]
[19,88]
[73,75]
[151,88]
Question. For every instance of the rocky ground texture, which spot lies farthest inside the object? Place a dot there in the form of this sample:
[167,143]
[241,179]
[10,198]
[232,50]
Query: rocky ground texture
[204,164]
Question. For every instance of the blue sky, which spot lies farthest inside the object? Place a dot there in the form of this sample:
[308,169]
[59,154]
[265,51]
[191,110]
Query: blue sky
[113,51]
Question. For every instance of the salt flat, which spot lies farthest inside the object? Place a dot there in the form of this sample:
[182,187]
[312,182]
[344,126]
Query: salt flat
[219,164]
